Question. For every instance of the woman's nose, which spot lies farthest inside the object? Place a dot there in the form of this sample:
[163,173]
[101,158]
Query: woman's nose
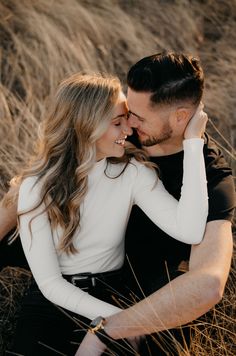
[127,130]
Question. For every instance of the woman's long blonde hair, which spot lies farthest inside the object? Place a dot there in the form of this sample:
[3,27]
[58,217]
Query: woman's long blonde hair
[66,149]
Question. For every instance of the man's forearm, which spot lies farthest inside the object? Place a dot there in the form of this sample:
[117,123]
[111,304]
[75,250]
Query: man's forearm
[188,296]
[167,308]
[8,218]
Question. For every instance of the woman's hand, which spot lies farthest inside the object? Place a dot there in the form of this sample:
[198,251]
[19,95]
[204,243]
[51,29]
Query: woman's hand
[90,346]
[197,124]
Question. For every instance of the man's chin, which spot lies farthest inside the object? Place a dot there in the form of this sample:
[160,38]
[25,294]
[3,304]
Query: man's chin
[149,142]
[156,141]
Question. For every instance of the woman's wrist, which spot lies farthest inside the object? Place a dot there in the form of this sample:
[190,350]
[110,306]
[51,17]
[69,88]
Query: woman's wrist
[190,136]
[197,139]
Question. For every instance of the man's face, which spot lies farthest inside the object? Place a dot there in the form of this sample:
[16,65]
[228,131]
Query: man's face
[153,124]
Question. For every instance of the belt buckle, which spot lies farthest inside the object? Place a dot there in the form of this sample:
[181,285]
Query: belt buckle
[83,277]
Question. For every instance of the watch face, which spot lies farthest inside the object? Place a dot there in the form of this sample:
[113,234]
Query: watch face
[97,328]
[96,321]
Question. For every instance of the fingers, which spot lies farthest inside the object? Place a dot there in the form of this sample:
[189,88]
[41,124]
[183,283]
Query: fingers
[199,109]
[197,124]
[204,118]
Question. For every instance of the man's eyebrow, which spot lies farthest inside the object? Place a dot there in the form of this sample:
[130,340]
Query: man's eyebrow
[133,113]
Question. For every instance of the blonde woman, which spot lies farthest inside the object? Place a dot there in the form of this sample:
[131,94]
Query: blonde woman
[74,203]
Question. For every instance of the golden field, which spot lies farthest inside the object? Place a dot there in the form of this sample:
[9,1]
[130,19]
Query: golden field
[41,41]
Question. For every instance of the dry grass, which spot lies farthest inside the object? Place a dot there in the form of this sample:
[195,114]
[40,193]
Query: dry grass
[41,41]
[13,284]
[215,334]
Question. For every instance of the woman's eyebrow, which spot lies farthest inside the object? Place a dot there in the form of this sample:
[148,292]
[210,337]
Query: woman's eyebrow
[117,117]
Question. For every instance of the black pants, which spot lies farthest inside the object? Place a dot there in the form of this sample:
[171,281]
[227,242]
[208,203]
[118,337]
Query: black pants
[43,329]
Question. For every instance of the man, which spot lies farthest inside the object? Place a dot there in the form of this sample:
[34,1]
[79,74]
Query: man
[163,92]
[10,255]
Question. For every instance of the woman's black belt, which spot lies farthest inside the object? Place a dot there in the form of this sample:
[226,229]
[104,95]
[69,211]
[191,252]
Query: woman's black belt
[89,280]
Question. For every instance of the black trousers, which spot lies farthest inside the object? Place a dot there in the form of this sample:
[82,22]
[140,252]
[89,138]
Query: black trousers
[43,329]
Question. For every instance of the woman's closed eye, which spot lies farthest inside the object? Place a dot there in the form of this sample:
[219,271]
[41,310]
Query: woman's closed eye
[117,122]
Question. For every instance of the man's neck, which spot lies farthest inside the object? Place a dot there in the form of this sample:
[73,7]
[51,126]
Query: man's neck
[166,148]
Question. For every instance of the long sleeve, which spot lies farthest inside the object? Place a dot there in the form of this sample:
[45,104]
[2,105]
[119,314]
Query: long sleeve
[185,220]
[42,257]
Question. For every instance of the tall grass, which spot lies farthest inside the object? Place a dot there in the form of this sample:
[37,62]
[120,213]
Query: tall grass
[41,41]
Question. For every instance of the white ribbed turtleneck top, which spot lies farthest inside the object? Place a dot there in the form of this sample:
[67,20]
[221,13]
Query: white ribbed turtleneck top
[104,216]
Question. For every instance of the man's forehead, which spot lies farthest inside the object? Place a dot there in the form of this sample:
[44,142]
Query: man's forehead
[132,94]
[138,99]
[139,102]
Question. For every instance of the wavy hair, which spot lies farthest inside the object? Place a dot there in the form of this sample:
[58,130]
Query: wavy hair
[66,149]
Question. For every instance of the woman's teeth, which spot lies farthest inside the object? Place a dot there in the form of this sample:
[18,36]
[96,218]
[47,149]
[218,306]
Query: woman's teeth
[120,142]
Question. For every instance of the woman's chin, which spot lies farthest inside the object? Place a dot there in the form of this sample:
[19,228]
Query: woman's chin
[122,151]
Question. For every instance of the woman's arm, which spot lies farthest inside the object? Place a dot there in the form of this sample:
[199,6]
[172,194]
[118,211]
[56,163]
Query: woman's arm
[43,261]
[184,220]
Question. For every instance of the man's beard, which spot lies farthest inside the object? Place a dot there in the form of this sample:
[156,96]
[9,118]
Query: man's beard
[165,135]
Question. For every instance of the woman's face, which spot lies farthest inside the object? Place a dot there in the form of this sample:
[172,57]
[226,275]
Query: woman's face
[111,143]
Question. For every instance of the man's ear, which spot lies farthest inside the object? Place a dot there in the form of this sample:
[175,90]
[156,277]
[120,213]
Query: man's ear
[182,116]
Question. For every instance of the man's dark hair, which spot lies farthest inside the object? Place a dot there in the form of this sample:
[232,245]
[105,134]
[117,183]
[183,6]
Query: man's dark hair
[170,77]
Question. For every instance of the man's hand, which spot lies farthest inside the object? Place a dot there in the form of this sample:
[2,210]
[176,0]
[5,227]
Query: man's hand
[197,124]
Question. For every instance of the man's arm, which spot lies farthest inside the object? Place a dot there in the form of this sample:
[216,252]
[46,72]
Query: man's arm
[183,299]
[186,297]
[8,213]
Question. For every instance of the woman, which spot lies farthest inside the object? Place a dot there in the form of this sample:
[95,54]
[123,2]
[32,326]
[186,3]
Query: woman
[74,202]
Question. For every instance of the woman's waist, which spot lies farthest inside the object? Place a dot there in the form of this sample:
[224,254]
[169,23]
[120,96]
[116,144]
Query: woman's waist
[90,282]
[94,264]
[86,280]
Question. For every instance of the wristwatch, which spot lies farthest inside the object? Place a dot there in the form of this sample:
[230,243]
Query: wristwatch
[97,327]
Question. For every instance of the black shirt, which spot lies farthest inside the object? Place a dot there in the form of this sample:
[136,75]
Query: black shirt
[155,256]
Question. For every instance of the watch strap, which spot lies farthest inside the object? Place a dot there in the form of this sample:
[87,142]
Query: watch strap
[100,332]
[104,337]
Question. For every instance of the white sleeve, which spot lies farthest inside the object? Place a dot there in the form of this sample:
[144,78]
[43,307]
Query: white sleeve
[184,220]
[42,258]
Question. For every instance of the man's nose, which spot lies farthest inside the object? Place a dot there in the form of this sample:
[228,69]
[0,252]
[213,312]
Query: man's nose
[132,121]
